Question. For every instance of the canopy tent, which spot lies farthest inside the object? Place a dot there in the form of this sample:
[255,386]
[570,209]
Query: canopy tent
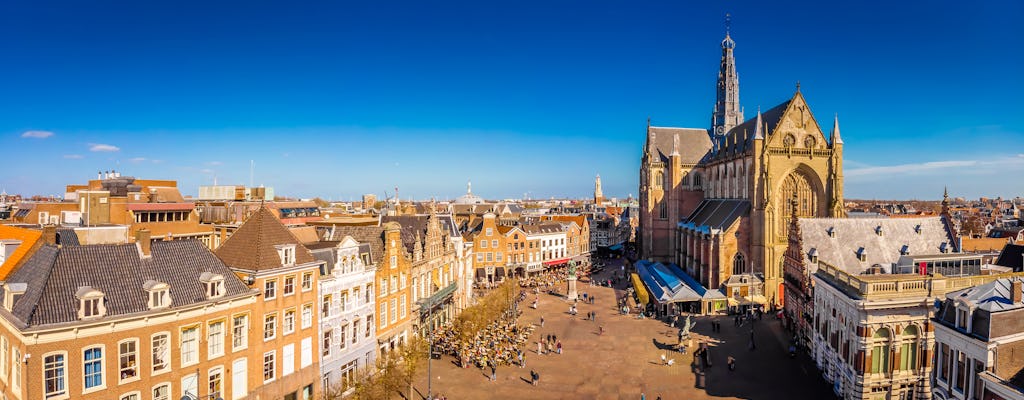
[641,291]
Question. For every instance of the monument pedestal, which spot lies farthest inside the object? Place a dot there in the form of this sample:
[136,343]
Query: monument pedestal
[571,293]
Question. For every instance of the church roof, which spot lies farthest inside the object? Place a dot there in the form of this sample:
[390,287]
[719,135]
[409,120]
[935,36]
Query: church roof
[881,240]
[694,143]
[739,139]
[718,214]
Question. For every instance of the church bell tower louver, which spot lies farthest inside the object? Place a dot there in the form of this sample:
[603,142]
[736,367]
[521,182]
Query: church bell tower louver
[727,113]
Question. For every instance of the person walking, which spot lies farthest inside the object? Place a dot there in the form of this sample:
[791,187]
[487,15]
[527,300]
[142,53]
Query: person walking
[732,363]
[559,345]
[753,346]
[522,362]
[540,350]
[541,321]
[494,375]
[600,330]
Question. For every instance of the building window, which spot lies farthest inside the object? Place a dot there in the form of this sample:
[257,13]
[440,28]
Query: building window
[369,325]
[738,264]
[307,281]
[214,284]
[215,339]
[961,371]
[908,350]
[662,210]
[483,244]
[161,352]
[162,392]
[131,396]
[215,386]
[355,331]
[90,303]
[383,315]
[240,332]
[289,285]
[269,366]
[159,294]
[189,346]
[394,284]
[383,287]
[659,180]
[307,315]
[3,357]
[54,375]
[945,361]
[270,289]
[325,306]
[16,364]
[880,352]
[288,323]
[402,310]
[92,367]
[287,254]
[327,343]
[342,337]
[269,326]
[128,359]
[394,262]
[394,309]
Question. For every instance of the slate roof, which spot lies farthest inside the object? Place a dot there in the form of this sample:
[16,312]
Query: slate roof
[718,214]
[694,144]
[853,235]
[993,297]
[67,237]
[53,276]
[1012,256]
[251,247]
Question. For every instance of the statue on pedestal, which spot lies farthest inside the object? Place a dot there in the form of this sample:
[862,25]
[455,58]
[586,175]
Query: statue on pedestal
[571,292]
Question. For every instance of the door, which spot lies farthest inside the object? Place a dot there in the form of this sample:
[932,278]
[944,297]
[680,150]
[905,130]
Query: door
[239,377]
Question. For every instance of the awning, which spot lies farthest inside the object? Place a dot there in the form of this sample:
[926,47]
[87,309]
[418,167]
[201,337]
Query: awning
[499,272]
[559,261]
[641,291]
[481,273]
[615,247]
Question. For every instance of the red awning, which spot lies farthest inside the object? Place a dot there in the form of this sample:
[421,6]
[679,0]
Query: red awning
[553,262]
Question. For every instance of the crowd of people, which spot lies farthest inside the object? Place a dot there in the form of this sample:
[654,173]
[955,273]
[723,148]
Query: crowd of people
[498,344]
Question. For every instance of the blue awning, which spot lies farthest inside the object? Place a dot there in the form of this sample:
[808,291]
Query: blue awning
[666,284]
[615,247]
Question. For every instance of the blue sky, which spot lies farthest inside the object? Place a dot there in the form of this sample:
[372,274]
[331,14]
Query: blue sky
[337,99]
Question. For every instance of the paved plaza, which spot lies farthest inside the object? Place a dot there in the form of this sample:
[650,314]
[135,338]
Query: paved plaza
[626,359]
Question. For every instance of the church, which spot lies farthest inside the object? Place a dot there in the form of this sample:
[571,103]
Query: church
[716,201]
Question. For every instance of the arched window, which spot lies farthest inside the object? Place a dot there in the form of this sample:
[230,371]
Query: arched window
[738,264]
[686,180]
[909,349]
[696,180]
[662,210]
[880,352]
[809,142]
[659,180]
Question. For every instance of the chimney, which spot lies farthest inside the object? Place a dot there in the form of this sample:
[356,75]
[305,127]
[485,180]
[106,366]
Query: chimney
[50,234]
[1015,291]
[142,239]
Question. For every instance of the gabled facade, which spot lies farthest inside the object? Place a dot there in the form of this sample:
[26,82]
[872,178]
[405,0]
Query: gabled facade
[268,258]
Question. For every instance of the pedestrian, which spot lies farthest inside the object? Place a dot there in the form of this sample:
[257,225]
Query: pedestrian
[732,363]
[600,330]
[541,321]
[522,362]
[536,378]
[663,361]
[494,375]
[642,397]
[559,347]
[539,349]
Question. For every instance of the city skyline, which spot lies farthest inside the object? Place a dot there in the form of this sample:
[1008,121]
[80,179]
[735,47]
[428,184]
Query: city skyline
[335,101]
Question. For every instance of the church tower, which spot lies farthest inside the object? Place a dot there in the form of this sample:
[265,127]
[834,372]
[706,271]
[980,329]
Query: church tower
[727,112]
[598,196]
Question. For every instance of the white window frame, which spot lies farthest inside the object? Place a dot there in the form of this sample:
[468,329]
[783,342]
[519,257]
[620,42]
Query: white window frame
[288,324]
[170,391]
[215,342]
[188,352]
[307,315]
[235,332]
[121,369]
[270,289]
[63,394]
[273,368]
[307,284]
[103,368]
[152,358]
[273,329]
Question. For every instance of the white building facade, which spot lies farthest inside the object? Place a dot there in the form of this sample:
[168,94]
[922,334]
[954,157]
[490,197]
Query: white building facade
[347,334]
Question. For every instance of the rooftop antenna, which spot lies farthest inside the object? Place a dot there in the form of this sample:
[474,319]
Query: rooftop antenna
[728,23]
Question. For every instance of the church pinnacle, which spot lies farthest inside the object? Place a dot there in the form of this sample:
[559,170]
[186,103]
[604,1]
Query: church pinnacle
[727,112]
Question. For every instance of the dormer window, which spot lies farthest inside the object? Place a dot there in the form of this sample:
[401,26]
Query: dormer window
[831,231]
[11,293]
[917,229]
[878,230]
[159,294]
[213,284]
[862,254]
[90,303]
[944,247]
[287,253]
[905,250]
[813,255]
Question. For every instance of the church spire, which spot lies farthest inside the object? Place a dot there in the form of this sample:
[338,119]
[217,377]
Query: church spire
[758,135]
[598,195]
[836,139]
[727,112]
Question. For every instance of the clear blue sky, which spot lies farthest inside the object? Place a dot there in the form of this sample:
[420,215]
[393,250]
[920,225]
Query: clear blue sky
[337,99]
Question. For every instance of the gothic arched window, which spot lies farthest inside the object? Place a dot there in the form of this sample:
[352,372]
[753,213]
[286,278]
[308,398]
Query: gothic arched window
[696,180]
[738,264]
[659,180]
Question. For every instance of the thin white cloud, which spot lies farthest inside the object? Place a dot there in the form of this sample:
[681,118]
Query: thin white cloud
[103,147]
[74,156]
[933,166]
[156,161]
[137,159]
[206,171]
[214,163]
[37,134]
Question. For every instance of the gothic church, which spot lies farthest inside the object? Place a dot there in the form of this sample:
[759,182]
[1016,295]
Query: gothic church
[716,201]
